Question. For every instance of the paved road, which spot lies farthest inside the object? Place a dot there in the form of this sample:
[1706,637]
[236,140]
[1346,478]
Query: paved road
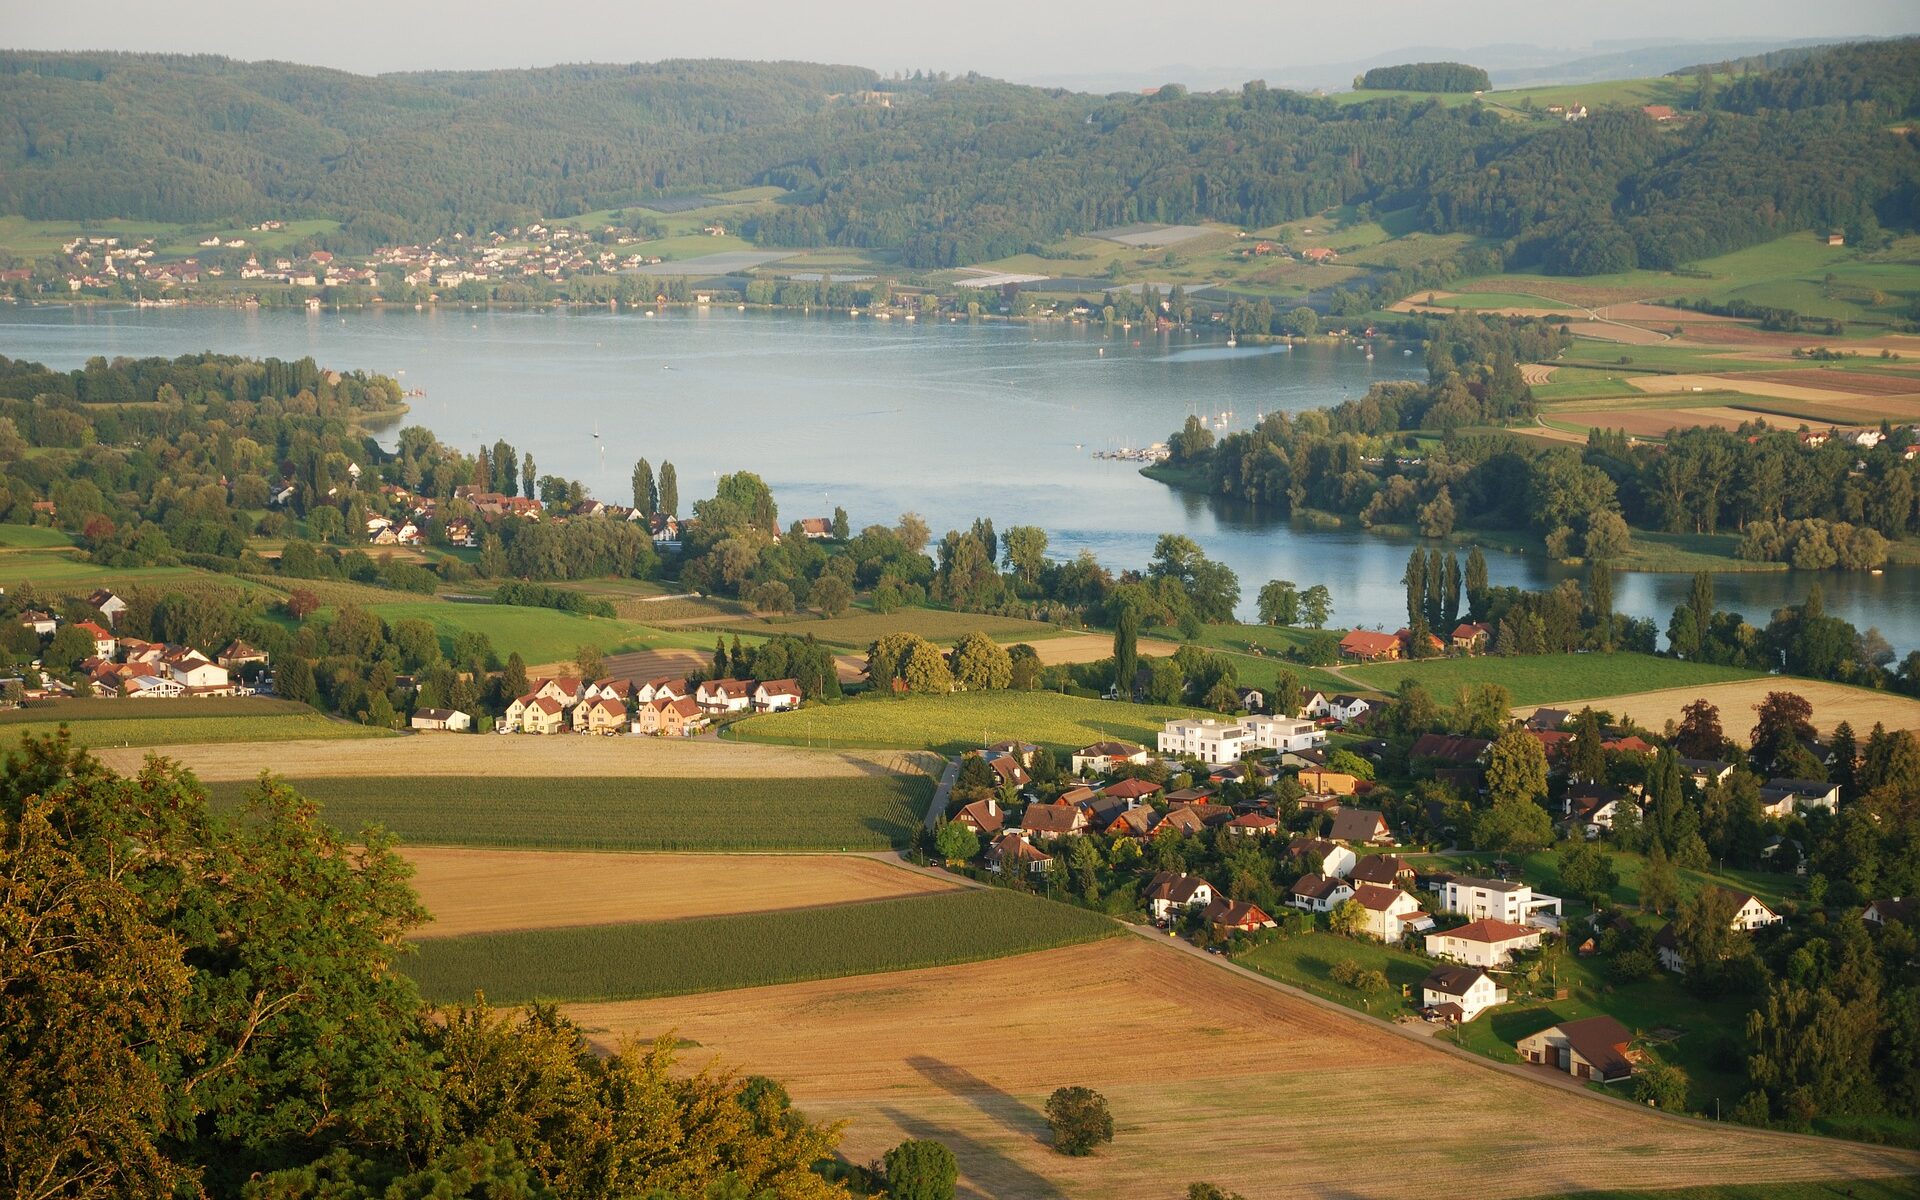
[943,793]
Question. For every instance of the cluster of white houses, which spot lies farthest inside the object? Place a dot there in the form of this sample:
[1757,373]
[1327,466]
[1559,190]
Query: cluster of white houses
[661,707]
[136,669]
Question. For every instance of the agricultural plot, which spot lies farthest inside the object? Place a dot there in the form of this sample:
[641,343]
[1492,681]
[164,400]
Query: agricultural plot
[540,635]
[498,891]
[1541,679]
[858,630]
[876,813]
[711,954]
[166,723]
[564,756]
[32,537]
[959,721]
[52,569]
[1832,703]
[1257,1090]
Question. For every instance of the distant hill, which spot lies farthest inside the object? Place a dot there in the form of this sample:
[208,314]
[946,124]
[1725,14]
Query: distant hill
[941,172]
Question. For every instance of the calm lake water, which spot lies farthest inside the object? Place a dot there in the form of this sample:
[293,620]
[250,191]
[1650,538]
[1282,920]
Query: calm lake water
[951,420]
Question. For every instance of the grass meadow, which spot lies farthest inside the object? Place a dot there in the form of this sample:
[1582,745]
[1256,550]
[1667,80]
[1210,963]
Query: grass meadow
[541,635]
[164,723]
[1539,679]
[876,812]
[858,630]
[708,954]
[961,721]
[32,537]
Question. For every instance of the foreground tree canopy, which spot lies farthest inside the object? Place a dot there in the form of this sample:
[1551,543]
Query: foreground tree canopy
[199,1003]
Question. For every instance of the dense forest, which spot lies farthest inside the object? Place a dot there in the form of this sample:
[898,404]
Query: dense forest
[1426,77]
[945,171]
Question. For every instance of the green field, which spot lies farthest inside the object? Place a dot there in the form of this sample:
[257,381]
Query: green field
[958,722]
[51,568]
[858,630]
[176,723]
[1306,961]
[541,635]
[669,958]
[1539,679]
[1499,300]
[863,813]
[32,537]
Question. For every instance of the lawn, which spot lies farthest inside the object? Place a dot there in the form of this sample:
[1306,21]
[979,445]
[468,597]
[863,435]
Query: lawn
[51,568]
[858,630]
[32,537]
[541,635]
[709,954]
[1538,679]
[876,812]
[1306,961]
[958,722]
[174,722]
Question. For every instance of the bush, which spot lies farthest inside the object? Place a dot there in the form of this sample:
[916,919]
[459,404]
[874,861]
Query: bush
[1079,1119]
[921,1169]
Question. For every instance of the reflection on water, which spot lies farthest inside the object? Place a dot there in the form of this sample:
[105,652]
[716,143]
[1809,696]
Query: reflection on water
[953,420]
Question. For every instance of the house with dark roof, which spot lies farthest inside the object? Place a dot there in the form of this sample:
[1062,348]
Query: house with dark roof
[1334,859]
[1364,645]
[1361,827]
[1448,748]
[982,816]
[1544,719]
[1011,853]
[1783,797]
[1102,757]
[1483,943]
[1705,772]
[1597,1048]
[1900,909]
[1387,870]
[1319,893]
[1235,916]
[1046,821]
[1459,994]
[1168,891]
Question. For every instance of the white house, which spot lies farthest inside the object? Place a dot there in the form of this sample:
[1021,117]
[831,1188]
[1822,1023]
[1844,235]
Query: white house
[1751,913]
[1169,891]
[1514,903]
[776,695]
[1207,739]
[151,687]
[1346,708]
[1781,797]
[1319,893]
[1102,757]
[724,695]
[1335,859]
[110,605]
[1460,993]
[451,720]
[1283,733]
[1391,913]
[198,675]
[1488,942]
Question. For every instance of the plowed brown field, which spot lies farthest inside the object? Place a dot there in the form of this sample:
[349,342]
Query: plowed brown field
[1209,1076]
[492,891]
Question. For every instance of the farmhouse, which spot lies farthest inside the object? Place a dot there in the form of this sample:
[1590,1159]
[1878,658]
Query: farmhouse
[450,720]
[1361,827]
[1593,1048]
[1460,994]
[1319,893]
[1483,943]
[1471,637]
[1167,891]
[1391,913]
[1102,757]
[1512,903]
[1364,645]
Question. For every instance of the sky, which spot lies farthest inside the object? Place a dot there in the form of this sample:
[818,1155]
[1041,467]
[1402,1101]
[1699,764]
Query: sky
[1014,39]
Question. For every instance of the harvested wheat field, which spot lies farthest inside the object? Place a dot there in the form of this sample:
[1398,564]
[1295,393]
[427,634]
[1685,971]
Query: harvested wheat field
[1091,647]
[1536,373]
[1766,384]
[1832,704]
[518,756]
[1656,422]
[1210,1076]
[497,891]
[1855,383]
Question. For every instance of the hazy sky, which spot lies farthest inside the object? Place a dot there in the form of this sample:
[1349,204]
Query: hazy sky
[1024,39]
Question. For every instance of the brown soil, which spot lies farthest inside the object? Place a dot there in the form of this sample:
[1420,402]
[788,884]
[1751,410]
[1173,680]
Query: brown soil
[491,891]
[1209,1076]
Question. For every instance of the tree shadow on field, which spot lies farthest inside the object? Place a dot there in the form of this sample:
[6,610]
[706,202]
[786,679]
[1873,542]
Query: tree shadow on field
[977,1159]
[958,1081]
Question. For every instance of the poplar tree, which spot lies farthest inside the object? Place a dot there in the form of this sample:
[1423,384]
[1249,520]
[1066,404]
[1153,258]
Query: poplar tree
[669,495]
[646,496]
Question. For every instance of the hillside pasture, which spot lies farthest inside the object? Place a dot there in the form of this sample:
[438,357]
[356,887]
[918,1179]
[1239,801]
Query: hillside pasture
[858,630]
[519,756]
[880,812]
[540,635]
[960,721]
[1736,700]
[500,891]
[749,950]
[32,537]
[1210,1075]
[150,724]
[1546,678]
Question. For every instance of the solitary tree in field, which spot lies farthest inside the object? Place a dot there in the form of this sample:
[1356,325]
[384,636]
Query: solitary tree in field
[830,596]
[1280,603]
[921,1169]
[1079,1119]
[1317,605]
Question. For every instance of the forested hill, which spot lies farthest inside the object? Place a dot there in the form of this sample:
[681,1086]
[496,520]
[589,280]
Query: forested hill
[946,171]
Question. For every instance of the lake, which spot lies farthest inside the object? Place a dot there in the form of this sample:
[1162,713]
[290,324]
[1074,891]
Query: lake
[949,419]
